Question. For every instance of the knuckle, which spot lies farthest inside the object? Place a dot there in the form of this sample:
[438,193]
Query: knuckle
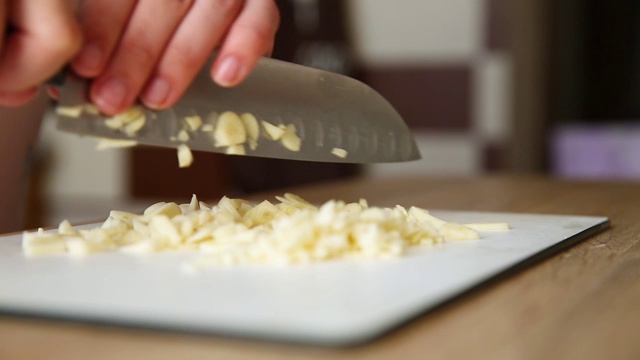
[181,68]
[183,61]
[226,6]
[188,56]
[138,53]
[254,33]
[181,5]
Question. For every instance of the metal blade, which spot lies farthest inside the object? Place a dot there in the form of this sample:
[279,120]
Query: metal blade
[328,110]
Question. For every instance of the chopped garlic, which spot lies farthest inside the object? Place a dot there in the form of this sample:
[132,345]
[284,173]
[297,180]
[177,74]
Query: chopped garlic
[235,150]
[229,130]
[114,123]
[105,143]
[453,231]
[341,153]
[132,128]
[38,243]
[271,131]
[185,157]
[207,128]
[234,231]
[251,125]
[118,121]
[69,111]
[183,136]
[194,122]
[290,139]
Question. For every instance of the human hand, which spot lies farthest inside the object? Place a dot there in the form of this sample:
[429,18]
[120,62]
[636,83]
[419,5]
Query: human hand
[152,50]
[36,39]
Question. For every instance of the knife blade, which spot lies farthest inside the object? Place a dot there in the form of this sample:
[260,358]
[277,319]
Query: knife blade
[329,111]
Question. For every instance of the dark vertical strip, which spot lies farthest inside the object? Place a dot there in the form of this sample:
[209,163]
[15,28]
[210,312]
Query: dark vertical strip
[428,97]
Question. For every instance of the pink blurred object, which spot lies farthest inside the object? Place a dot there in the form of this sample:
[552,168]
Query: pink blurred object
[605,152]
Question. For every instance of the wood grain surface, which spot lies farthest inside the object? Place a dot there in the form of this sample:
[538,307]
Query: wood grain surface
[583,303]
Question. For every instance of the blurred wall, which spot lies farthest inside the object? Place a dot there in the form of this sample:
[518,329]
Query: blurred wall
[77,169]
[446,67]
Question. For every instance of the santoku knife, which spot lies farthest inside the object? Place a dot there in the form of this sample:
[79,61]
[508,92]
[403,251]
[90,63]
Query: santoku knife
[329,111]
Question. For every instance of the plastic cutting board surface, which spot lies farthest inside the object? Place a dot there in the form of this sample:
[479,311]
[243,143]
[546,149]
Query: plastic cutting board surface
[334,303]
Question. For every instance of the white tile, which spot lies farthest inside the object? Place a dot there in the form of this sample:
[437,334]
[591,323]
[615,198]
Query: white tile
[442,154]
[78,169]
[409,31]
[493,96]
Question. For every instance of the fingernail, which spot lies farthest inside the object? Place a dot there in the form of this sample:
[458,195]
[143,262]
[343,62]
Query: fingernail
[90,58]
[111,94]
[228,72]
[157,92]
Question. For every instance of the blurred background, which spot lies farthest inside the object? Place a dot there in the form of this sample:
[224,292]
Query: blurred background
[487,86]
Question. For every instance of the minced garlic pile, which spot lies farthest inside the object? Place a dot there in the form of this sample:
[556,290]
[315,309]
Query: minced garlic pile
[234,231]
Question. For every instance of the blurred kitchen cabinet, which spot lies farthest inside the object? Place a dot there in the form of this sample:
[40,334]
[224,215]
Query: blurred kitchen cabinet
[596,60]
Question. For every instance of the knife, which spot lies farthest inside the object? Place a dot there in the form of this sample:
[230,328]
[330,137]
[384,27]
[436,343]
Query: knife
[328,111]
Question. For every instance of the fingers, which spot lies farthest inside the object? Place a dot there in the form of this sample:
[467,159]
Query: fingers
[44,36]
[250,37]
[200,32]
[152,52]
[248,30]
[148,31]
[102,26]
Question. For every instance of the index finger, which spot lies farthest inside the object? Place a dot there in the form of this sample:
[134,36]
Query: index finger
[250,37]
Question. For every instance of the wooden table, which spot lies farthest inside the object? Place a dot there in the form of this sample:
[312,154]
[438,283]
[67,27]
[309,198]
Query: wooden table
[583,303]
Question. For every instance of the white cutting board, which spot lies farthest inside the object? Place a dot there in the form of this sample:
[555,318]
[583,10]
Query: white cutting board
[336,303]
